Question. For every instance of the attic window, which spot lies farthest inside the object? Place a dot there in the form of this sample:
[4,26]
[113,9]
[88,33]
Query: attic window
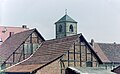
[60,28]
[71,28]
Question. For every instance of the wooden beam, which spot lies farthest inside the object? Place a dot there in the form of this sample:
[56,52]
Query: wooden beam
[71,60]
[92,59]
[13,56]
[61,66]
[74,55]
[31,46]
[37,39]
[86,52]
[20,56]
[80,52]
[23,51]
[17,53]
[68,57]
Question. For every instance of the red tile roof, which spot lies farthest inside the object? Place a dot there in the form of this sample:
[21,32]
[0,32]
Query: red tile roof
[109,52]
[5,31]
[100,53]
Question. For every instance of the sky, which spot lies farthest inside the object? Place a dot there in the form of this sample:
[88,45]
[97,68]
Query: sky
[97,19]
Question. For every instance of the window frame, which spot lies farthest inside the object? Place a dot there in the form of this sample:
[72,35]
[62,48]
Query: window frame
[71,29]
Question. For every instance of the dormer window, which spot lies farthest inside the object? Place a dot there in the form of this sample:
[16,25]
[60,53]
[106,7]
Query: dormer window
[71,28]
[60,28]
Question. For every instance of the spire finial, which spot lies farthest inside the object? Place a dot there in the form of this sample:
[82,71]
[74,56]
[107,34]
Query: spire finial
[65,11]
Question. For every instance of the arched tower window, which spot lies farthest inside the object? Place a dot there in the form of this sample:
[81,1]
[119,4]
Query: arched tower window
[60,28]
[71,28]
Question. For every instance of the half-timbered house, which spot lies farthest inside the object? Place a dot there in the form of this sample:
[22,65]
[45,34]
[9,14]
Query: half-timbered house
[19,46]
[54,56]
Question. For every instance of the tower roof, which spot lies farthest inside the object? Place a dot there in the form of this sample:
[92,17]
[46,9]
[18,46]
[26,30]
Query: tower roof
[66,18]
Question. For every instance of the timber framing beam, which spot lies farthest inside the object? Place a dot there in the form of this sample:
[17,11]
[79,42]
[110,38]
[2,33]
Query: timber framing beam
[74,55]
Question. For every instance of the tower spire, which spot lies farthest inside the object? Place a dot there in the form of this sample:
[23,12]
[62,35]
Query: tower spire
[65,11]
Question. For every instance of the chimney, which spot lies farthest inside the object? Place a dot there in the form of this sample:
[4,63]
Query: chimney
[92,42]
[24,26]
[10,34]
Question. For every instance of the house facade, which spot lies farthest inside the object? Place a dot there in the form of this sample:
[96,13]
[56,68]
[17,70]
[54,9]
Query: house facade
[54,56]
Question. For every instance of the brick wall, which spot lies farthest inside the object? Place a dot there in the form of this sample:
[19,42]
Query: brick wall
[53,68]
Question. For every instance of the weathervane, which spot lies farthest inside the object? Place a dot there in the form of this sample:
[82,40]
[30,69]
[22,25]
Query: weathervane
[65,11]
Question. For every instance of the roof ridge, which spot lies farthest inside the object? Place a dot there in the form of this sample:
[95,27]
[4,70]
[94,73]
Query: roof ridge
[26,30]
[21,32]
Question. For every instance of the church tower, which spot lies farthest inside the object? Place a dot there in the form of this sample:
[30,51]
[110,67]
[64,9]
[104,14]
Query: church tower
[66,26]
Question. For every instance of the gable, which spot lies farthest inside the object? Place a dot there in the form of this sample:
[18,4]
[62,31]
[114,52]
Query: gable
[16,48]
[80,54]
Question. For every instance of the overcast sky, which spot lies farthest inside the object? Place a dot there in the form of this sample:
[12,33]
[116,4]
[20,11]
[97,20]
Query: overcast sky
[97,19]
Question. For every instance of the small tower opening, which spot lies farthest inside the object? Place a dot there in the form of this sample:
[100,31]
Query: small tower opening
[60,28]
[71,28]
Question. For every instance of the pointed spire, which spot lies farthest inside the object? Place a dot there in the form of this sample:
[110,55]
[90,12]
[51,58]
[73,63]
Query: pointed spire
[65,11]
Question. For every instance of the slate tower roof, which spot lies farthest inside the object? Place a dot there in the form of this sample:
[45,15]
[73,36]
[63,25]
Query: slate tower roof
[66,18]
